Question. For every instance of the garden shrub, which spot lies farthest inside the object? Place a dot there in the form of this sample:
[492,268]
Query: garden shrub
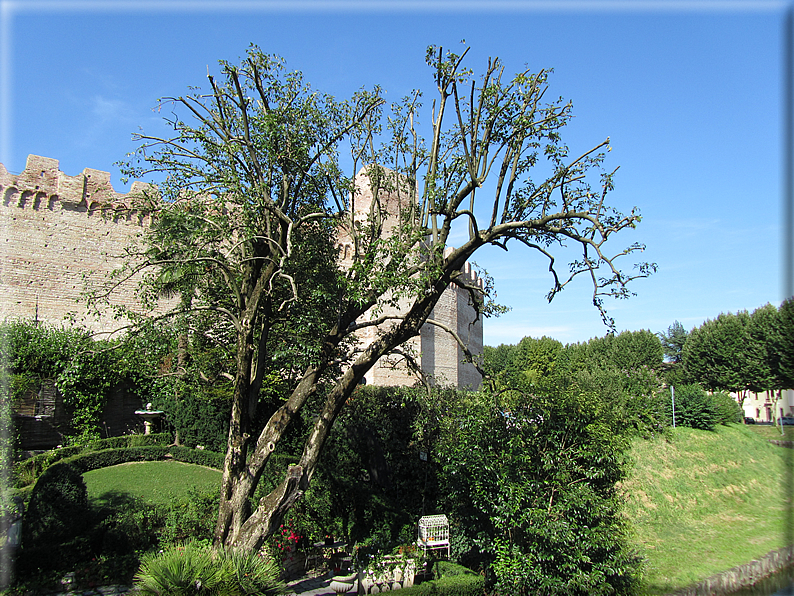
[727,408]
[94,460]
[449,569]
[533,485]
[694,407]
[193,517]
[196,569]
[58,508]
[371,485]
[466,584]
[200,457]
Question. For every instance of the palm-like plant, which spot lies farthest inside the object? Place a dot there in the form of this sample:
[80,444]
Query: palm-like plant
[193,569]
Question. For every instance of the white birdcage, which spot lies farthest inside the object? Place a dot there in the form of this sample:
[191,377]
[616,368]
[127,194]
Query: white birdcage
[433,533]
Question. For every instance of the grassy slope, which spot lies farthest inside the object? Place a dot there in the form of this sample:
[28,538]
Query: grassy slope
[156,481]
[703,502]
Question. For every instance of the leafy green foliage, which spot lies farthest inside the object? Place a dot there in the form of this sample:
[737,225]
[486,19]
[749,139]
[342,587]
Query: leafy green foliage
[620,370]
[197,570]
[85,371]
[371,484]
[742,351]
[765,350]
[115,531]
[673,341]
[716,353]
[532,484]
[57,509]
[727,408]
[786,358]
[463,583]
[694,408]
[192,518]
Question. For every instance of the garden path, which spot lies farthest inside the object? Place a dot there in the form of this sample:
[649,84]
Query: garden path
[302,586]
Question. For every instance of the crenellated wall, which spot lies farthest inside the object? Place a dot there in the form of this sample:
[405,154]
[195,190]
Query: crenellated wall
[61,234]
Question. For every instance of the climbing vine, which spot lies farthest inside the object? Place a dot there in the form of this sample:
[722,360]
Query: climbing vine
[84,371]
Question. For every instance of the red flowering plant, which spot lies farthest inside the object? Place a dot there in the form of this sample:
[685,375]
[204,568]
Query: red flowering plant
[287,539]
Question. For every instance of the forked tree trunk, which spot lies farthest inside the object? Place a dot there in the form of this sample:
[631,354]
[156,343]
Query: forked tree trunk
[237,527]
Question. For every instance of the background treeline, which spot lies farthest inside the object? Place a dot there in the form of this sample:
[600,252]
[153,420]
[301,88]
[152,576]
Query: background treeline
[737,352]
[626,371]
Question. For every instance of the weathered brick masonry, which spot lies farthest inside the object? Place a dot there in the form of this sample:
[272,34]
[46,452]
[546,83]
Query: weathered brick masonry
[60,233]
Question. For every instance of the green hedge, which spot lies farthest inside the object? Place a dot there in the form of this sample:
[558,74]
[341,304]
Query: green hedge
[27,472]
[468,584]
[111,452]
[200,457]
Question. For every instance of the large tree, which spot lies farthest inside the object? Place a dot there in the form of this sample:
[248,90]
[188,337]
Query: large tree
[673,341]
[721,355]
[254,195]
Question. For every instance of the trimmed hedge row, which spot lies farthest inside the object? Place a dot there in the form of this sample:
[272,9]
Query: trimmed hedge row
[85,462]
[112,452]
[468,584]
[28,471]
[211,459]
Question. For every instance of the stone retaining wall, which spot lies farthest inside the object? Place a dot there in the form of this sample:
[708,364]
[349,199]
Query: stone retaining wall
[789,444]
[741,576]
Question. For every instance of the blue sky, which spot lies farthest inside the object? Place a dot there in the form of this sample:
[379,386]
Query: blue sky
[690,94]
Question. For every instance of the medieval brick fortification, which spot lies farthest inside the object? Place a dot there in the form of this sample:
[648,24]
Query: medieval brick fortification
[63,233]
[435,350]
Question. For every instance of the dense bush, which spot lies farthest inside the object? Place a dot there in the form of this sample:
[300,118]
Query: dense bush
[191,518]
[728,409]
[470,584]
[532,485]
[58,508]
[107,547]
[371,484]
[198,418]
[197,570]
[622,370]
[201,457]
[694,407]
[93,460]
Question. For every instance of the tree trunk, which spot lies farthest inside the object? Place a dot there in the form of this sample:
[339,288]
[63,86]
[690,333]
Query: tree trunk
[247,532]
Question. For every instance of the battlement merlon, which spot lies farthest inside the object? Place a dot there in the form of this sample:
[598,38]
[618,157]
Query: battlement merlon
[469,274]
[42,176]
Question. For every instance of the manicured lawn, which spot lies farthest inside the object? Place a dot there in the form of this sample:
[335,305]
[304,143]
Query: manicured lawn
[704,502]
[155,482]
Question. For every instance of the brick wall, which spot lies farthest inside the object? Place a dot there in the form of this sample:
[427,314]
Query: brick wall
[64,234]
[60,236]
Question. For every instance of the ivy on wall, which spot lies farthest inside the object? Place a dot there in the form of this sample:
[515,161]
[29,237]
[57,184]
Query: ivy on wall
[84,371]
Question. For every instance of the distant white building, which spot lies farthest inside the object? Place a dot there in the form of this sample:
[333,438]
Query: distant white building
[762,406]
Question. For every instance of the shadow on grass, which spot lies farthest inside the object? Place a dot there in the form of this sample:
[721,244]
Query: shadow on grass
[116,499]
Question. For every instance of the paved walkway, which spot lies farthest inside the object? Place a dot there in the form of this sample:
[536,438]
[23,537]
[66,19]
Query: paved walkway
[302,586]
[314,586]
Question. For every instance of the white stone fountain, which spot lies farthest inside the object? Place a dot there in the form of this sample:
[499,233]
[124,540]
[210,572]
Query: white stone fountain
[149,416]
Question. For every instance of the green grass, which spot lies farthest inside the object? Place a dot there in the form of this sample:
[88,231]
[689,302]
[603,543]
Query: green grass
[773,432]
[704,502]
[154,481]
